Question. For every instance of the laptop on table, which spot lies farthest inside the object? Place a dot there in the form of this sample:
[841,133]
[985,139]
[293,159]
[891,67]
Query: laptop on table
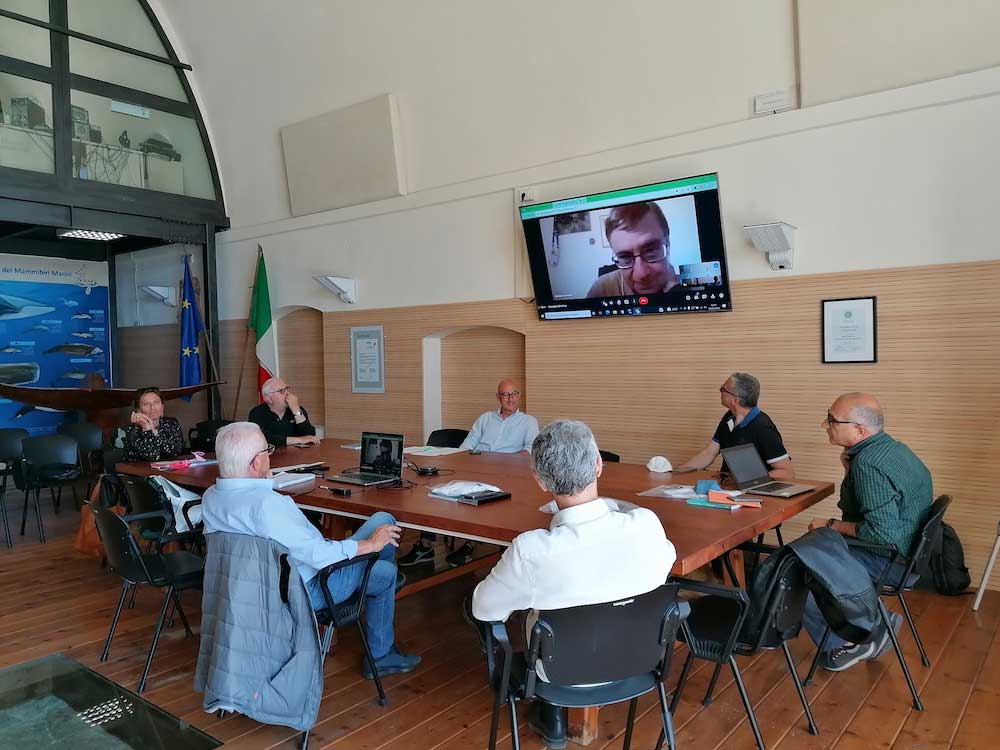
[750,473]
[381,461]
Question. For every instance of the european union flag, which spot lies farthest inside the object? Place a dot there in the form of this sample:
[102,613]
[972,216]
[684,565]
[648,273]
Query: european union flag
[191,326]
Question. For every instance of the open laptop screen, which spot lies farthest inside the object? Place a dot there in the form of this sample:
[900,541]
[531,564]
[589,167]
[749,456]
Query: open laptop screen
[382,453]
[745,463]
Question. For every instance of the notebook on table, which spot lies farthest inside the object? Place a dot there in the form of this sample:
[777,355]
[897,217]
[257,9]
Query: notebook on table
[750,473]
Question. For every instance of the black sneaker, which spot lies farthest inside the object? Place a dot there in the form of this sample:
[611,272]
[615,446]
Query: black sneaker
[886,643]
[418,554]
[461,556]
[846,656]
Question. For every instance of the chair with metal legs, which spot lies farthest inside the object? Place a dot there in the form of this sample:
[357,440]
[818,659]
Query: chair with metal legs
[725,623]
[52,462]
[10,455]
[174,572]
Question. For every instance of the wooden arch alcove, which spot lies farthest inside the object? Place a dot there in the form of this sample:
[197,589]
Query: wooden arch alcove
[462,366]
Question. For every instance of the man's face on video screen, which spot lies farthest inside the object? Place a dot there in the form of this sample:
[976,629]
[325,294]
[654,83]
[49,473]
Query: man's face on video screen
[637,245]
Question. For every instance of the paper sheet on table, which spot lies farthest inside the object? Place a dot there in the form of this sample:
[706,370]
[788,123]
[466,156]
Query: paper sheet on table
[679,492]
[430,450]
[456,488]
[352,446]
[620,505]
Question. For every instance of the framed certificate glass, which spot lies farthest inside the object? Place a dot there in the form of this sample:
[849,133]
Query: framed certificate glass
[849,330]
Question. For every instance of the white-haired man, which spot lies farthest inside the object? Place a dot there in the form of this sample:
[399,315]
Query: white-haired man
[593,551]
[243,501]
[282,419]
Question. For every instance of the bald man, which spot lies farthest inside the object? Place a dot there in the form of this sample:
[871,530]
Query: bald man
[282,419]
[884,497]
[507,430]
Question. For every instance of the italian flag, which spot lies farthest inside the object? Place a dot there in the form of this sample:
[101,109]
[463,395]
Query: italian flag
[262,325]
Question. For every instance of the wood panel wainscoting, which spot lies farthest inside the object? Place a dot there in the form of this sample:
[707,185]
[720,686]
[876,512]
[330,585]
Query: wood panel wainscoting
[148,356]
[649,385]
[469,361]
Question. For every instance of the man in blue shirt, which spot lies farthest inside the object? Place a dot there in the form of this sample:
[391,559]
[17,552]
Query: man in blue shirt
[507,430]
[243,501]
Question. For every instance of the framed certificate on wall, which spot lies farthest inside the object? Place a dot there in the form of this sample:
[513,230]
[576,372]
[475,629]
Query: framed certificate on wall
[849,330]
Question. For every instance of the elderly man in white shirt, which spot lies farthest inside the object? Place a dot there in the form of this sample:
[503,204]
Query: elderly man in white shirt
[508,430]
[243,501]
[595,549]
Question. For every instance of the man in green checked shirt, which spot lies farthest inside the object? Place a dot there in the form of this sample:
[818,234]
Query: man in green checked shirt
[884,497]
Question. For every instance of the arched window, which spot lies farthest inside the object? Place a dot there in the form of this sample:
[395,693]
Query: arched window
[97,112]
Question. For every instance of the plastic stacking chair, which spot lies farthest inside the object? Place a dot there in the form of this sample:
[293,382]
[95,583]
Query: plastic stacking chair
[90,439]
[624,645]
[916,561]
[10,455]
[724,624]
[51,461]
[173,572]
[201,437]
[447,438]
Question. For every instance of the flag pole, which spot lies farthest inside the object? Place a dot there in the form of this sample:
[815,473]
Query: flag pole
[208,340]
[246,339]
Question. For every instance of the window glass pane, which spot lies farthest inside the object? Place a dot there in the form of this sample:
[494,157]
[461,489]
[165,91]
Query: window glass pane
[121,21]
[24,41]
[124,144]
[25,132]
[34,8]
[105,64]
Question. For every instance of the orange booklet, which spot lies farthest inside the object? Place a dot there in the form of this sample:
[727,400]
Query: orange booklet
[714,496]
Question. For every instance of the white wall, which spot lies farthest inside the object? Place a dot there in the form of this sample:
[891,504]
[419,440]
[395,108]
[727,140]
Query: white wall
[155,266]
[572,98]
[853,47]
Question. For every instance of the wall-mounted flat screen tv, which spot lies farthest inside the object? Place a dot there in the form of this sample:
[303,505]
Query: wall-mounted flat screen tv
[638,251]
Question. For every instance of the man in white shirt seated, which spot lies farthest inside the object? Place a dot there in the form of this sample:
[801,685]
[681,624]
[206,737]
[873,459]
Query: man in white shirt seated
[243,501]
[507,430]
[595,550]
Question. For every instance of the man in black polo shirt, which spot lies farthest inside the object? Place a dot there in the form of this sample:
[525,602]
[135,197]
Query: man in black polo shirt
[281,417]
[745,423]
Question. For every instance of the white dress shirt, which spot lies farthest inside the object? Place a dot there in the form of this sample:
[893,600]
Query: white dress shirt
[251,506]
[588,555]
[493,433]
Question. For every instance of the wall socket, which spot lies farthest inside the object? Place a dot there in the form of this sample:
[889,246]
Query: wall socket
[526,195]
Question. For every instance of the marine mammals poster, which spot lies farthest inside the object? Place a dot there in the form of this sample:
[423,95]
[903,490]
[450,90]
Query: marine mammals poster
[53,330]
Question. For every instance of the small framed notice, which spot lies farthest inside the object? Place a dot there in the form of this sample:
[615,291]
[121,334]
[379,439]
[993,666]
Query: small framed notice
[849,330]
[367,360]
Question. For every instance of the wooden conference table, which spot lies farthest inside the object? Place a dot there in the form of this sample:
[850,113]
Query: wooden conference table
[699,535]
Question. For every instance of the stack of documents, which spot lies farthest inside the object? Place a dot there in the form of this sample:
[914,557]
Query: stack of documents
[456,489]
[430,450]
[283,479]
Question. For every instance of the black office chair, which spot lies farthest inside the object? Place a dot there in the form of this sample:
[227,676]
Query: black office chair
[609,457]
[724,624]
[626,645]
[917,561]
[201,437]
[90,440]
[173,571]
[447,438]
[349,612]
[51,461]
[10,455]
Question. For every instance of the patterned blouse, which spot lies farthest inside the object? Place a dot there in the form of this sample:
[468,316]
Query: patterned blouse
[168,442]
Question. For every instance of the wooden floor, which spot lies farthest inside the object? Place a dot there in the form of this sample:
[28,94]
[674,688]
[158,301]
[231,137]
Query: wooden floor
[54,600]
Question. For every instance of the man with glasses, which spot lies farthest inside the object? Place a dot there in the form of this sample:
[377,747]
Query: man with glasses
[745,423]
[884,497]
[243,501]
[281,417]
[507,430]
[640,246]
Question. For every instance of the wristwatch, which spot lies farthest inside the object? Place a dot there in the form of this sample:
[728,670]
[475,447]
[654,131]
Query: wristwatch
[297,414]
[830,523]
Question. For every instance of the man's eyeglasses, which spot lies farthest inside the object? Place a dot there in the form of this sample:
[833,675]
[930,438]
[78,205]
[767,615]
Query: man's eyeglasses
[509,394]
[722,389]
[831,420]
[268,450]
[279,390]
[649,254]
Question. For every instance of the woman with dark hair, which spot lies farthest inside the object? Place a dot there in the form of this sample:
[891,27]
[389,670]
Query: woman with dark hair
[152,436]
